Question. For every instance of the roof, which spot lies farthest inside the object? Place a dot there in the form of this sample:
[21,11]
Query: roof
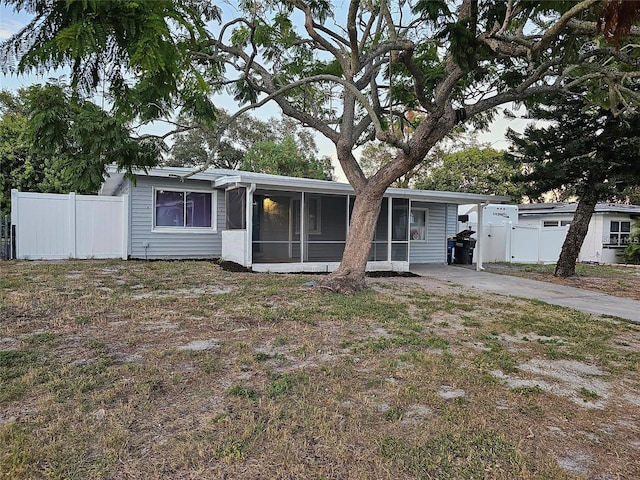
[565,208]
[223,178]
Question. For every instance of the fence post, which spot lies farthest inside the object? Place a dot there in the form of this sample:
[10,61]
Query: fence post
[15,224]
[72,225]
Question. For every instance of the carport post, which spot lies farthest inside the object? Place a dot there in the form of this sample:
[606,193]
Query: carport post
[479,242]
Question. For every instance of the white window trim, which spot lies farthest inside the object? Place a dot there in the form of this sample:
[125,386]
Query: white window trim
[426,223]
[188,230]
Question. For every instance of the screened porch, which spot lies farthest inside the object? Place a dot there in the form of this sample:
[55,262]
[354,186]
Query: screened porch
[304,227]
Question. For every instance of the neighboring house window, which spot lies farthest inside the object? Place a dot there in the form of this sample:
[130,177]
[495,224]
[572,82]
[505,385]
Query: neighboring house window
[313,208]
[619,232]
[418,228]
[183,209]
[565,223]
[550,223]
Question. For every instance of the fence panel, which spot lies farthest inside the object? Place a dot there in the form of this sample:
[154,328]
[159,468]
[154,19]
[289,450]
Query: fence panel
[536,244]
[53,226]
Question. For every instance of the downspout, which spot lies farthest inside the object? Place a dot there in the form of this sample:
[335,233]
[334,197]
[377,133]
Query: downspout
[479,244]
[249,225]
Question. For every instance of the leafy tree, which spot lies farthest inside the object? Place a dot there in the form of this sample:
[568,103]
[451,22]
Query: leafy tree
[586,149]
[632,251]
[200,145]
[82,137]
[473,170]
[54,141]
[284,158]
[351,72]
[20,166]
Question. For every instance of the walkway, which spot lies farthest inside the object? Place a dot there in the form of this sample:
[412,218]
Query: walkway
[583,300]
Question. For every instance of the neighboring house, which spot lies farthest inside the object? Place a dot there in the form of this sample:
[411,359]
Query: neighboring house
[608,233]
[275,223]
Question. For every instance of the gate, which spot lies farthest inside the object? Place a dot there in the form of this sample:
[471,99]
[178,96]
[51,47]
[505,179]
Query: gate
[7,243]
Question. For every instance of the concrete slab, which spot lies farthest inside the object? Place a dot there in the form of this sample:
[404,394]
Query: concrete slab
[584,300]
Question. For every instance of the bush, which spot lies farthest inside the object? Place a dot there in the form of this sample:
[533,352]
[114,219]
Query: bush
[632,252]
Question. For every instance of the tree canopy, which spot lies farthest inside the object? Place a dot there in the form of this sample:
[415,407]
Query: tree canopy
[587,150]
[244,141]
[53,141]
[353,71]
[473,170]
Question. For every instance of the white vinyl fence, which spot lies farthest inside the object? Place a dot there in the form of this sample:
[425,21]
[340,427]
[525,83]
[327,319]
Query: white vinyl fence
[522,244]
[51,226]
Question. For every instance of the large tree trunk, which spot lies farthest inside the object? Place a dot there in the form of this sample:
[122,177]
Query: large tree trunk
[566,266]
[350,275]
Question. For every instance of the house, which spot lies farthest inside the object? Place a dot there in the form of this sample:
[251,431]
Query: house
[276,223]
[608,233]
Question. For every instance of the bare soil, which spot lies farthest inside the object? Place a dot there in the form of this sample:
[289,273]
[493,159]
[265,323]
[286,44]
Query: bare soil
[182,370]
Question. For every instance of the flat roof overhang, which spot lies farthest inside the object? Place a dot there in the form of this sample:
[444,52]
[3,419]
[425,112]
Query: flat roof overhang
[223,178]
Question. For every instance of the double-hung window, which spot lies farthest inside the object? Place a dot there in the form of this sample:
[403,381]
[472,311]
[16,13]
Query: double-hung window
[183,209]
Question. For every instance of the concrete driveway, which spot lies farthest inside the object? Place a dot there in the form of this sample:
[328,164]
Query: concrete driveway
[583,300]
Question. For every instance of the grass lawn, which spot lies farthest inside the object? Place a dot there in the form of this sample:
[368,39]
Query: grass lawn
[180,370]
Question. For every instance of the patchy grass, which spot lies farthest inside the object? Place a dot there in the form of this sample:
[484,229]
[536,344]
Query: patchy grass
[140,370]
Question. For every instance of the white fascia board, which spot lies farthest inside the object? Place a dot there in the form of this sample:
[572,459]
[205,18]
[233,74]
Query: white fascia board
[226,181]
[222,177]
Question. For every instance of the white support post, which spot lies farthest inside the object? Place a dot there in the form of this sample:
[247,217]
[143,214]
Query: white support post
[389,228]
[125,227]
[248,255]
[479,243]
[302,228]
[72,225]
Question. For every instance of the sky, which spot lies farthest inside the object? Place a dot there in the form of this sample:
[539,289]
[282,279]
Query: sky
[11,22]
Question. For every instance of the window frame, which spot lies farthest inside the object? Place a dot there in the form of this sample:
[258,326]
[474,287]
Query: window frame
[184,229]
[296,203]
[621,236]
[425,211]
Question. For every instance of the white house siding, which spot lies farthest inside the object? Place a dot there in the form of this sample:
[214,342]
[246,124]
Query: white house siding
[147,244]
[434,249]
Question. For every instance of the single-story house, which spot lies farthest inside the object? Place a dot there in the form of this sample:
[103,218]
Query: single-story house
[277,223]
[608,233]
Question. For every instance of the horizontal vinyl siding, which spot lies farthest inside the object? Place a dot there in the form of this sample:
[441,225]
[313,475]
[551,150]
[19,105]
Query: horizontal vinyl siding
[434,249]
[452,219]
[170,244]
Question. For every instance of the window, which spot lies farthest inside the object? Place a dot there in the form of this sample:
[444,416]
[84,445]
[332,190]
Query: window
[418,225]
[183,209]
[565,223]
[619,232]
[550,223]
[313,208]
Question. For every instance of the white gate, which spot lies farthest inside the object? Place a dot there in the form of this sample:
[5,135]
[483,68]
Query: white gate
[52,226]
